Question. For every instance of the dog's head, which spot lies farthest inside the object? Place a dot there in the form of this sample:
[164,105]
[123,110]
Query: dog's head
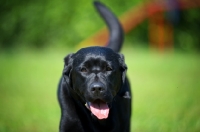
[96,75]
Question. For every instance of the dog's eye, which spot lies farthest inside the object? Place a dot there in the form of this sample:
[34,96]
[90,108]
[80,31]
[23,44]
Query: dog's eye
[108,68]
[83,69]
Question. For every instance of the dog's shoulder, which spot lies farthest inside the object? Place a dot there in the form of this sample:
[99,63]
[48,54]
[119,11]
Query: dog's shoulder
[71,122]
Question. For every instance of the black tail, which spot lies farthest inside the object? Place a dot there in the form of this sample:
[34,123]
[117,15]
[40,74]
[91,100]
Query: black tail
[115,28]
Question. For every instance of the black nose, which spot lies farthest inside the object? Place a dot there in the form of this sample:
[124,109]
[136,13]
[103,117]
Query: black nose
[97,88]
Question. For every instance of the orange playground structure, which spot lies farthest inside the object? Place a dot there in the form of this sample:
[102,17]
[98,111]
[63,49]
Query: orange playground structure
[160,30]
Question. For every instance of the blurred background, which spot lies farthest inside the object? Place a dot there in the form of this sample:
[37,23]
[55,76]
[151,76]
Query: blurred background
[161,48]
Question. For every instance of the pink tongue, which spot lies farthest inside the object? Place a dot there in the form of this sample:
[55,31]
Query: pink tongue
[99,109]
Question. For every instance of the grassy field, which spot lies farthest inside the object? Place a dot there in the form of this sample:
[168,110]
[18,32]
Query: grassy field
[166,89]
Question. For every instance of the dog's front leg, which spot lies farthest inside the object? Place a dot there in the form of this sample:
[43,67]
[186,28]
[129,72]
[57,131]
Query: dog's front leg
[70,121]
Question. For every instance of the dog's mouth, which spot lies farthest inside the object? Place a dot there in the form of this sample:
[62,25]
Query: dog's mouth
[98,108]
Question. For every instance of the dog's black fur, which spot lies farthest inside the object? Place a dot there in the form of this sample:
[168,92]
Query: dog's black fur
[96,75]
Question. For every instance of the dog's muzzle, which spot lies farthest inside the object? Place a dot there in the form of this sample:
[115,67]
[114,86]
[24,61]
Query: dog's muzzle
[98,106]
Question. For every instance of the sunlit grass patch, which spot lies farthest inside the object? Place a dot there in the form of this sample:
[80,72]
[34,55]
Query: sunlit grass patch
[166,91]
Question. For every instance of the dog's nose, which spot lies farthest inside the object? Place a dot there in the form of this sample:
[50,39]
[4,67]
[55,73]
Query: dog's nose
[97,88]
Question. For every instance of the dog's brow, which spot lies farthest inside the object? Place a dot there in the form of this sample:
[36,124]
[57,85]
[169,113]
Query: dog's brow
[90,61]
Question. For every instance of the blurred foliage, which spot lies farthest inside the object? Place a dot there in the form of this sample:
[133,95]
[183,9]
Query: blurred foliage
[42,23]
[66,23]
[187,30]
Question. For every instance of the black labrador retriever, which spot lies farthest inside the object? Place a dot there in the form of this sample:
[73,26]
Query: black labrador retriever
[94,93]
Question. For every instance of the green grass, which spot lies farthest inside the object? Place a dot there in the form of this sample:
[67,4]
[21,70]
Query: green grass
[166,91]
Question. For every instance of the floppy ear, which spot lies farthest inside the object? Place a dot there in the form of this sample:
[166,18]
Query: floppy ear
[68,60]
[123,66]
[125,92]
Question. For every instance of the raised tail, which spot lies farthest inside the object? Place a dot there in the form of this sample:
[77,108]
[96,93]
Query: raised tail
[116,34]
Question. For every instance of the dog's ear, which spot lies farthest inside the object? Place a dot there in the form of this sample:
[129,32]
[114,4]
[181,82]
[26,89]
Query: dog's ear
[123,66]
[68,60]
[125,92]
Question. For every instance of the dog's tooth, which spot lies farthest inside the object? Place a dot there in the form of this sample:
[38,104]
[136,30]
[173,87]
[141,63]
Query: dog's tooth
[87,105]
